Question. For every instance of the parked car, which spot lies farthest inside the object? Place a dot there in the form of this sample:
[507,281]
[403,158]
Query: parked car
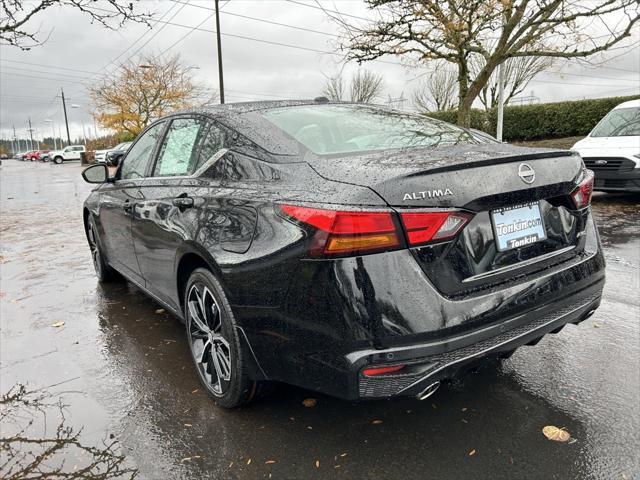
[72,152]
[612,149]
[36,155]
[349,249]
[114,156]
[27,155]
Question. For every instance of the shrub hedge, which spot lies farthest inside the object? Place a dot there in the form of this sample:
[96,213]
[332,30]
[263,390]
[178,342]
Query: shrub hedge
[541,120]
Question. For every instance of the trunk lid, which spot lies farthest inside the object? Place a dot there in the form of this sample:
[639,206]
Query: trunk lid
[479,179]
[457,176]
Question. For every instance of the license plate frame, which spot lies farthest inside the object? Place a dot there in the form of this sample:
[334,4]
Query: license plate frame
[520,226]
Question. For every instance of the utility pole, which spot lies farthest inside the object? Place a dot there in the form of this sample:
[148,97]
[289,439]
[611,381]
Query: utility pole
[500,102]
[14,141]
[30,135]
[66,121]
[220,76]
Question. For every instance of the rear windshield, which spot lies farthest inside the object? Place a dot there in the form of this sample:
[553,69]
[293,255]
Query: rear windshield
[334,129]
[622,122]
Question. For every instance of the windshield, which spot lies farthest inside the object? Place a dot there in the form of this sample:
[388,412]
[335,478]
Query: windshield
[333,129]
[619,123]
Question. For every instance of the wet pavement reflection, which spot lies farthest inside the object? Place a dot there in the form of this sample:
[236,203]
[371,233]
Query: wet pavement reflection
[123,368]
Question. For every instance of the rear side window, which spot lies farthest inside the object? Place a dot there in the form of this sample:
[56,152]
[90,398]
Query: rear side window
[137,161]
[179,153]
[212,142]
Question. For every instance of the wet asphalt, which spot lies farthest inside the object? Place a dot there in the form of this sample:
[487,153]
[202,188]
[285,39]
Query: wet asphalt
[124,371]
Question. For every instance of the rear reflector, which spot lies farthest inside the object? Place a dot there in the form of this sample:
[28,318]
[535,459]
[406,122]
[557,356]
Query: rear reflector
[424,227]
[347,233]
[373,371]
[582,194]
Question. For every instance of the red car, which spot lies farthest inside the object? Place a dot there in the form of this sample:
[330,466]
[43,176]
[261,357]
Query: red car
[36,155]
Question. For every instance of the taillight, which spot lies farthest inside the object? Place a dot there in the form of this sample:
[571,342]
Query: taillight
[582,194]
[347,233]
[425,227]
[381,370]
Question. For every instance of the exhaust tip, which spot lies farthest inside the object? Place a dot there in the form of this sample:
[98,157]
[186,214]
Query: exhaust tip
[427,392]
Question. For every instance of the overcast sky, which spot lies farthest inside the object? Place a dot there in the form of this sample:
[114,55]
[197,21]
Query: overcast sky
[77,52]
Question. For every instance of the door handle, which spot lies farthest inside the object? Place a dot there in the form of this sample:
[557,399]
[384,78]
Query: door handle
[183,202]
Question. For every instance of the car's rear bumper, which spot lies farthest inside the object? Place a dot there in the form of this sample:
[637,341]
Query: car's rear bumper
[430,362]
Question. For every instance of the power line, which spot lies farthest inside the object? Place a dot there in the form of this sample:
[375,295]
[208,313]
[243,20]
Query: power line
[261,20]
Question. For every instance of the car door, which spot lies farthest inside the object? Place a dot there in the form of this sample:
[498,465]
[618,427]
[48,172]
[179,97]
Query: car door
[118,202]
[168,215]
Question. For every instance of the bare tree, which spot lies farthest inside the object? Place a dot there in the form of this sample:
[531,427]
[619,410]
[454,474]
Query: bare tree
[456,31]
[518,72]
[142,91]
[366,86]
[437,92]
[334,88]
[15,17]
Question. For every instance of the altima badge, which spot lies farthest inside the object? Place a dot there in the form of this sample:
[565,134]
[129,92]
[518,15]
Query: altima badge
[426,194]
[526,173]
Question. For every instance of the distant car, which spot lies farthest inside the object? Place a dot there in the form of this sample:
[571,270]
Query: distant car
[101,155]
[114,156]
[612,149]
[28,155]
[72,152]
[4,156]
[37,155]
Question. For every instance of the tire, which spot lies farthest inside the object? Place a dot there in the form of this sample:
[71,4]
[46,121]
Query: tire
[211,326]
[57,160]
[104,272]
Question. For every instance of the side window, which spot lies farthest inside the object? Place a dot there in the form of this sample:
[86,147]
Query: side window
[137,160]
[212,143]
[178,154]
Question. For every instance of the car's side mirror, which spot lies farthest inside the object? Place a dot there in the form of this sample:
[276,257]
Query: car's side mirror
[96,174]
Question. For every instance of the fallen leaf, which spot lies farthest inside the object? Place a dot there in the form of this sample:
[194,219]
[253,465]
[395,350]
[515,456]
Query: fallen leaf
[231,465]
[597,325]
[464,421]
[310,427]
[160,310]
[195,391]
[472,452]
[249,462]
[58,324]
[309,402]
[376,422]
[344,454]
[188,425]
[556,434]
[317,463]
[464,409]
[270,462]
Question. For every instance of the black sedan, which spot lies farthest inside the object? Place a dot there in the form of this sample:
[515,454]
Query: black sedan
[349,249]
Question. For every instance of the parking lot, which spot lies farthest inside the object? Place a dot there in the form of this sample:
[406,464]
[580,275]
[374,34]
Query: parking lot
[123,368]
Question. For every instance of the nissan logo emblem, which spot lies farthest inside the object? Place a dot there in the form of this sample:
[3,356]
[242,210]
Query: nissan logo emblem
[526,173]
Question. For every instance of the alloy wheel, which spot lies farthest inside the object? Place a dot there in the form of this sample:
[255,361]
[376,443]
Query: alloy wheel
[209,347]
[93,246]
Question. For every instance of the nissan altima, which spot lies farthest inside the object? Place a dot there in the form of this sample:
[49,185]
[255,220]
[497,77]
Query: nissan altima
[349,249]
